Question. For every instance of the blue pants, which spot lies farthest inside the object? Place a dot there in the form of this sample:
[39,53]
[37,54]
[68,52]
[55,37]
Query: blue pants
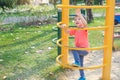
[79,58]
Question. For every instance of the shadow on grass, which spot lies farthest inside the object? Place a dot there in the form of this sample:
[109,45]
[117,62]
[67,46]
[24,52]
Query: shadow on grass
[14,57]
[42,69]
[27,41]
[16,54]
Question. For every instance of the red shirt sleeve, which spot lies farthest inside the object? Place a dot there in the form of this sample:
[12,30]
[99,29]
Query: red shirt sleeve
[72,32]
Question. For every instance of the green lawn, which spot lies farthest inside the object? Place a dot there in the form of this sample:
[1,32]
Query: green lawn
[27,52]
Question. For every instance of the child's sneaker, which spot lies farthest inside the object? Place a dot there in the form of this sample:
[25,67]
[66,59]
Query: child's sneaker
[76,64]
[81,78]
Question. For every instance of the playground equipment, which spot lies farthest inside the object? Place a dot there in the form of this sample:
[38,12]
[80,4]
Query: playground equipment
[59,16]
[107,47]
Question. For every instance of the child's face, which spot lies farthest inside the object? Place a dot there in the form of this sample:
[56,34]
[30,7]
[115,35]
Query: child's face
[78,22]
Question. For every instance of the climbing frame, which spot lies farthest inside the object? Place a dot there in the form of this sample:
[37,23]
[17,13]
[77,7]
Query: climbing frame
[108,37]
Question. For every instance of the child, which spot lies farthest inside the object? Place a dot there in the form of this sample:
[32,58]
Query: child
[81,41]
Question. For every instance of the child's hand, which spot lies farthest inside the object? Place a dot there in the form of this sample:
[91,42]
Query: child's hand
[78,12]
[63,25]
[65,28]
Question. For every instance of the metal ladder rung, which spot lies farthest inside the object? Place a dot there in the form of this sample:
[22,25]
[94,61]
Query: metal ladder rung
[71,6]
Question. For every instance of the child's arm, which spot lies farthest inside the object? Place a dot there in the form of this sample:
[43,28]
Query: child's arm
[70,32]
[64,26]
[81,16]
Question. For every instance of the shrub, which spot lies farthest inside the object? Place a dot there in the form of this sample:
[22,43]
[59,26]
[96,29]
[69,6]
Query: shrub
[4,4]
[21,2]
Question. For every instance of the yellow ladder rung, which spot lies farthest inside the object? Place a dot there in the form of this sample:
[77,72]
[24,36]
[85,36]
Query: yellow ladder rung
[72,67]
[87,7]
[88,28]
[58,42]
[59,24]
[72,48]
[93,48]
[91,28]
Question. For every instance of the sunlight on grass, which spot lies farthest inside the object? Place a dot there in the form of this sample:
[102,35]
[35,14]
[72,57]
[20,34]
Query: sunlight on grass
[27,52]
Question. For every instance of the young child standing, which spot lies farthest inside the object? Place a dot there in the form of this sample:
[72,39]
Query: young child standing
[81,41]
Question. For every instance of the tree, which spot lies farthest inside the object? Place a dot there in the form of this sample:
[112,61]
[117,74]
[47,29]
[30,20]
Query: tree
[98,2]
[21,2]
[74,2]
[89,11]
[4,4]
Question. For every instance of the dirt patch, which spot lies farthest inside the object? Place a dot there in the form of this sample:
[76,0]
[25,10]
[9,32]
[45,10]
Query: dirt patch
[93,58]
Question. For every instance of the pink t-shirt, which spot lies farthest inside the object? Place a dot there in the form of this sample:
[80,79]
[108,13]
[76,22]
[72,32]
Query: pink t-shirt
[81,38]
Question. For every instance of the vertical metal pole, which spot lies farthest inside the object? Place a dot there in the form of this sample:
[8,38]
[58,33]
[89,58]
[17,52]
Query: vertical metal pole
[108,39]
[59,30]
[65,19]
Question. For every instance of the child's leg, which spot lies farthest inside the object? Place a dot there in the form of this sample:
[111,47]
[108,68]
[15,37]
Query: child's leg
[81,57]
[81,64]
[76,56]
[82,52]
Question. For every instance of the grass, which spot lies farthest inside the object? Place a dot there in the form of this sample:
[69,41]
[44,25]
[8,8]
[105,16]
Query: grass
[27,52]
